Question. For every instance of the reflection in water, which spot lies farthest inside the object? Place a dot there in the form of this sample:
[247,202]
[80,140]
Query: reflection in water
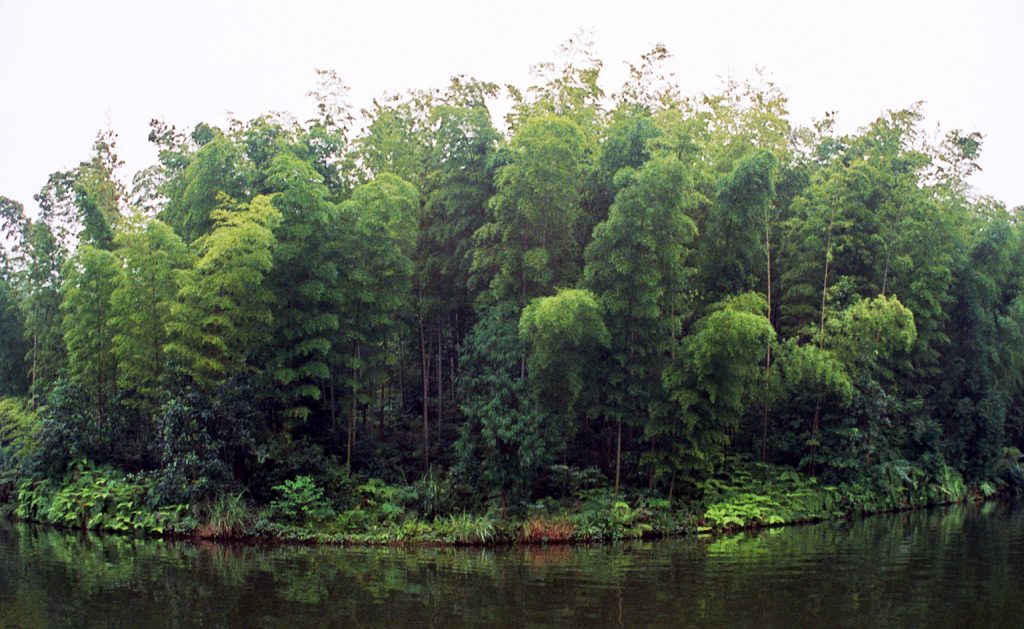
[955,567]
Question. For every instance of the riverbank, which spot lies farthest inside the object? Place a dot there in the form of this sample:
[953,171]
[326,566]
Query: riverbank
[752,496]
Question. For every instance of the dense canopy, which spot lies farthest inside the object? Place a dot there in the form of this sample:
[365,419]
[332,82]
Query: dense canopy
[632,288]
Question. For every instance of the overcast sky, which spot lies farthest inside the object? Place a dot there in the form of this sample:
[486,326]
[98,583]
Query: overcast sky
[68,69]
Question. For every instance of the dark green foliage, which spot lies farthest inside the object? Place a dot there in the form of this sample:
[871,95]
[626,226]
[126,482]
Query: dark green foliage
[379,335]
[216,169]
[71,428]
[732,247]
[503,442]
[206,442]
[299,500]
[13,344]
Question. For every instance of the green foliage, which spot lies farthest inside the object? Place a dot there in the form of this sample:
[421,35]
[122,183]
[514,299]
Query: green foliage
[98,499]
[732,247]
[19,436]
[647,288]
[465,529]
[228,516]
[300,500]
[204,441]
[528,248]
[222,309]
[565,335]
[504,442]
[41,306]
[602,516]
[712,381]
[216,170]
[13,347]
[305,282]
[90,279]
[636,267]
[140,305]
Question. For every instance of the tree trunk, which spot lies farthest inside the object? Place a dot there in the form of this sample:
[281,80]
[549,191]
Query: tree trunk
[618,456]
[440,384]
[425,372]
[768,353]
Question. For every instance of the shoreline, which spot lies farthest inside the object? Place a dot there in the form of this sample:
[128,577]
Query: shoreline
[260,535]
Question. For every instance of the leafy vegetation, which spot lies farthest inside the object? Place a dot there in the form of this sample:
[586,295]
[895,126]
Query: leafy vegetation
[620,316]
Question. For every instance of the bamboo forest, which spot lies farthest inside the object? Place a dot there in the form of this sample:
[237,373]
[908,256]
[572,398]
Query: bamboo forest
[596,316]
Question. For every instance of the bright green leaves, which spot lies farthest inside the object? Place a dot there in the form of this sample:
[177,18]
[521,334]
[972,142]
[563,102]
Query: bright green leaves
[216,169]
[531,247]
[140,305]
[305,281]
[90,278]
[712,380]
[872,333]
[565,336]
[222,311]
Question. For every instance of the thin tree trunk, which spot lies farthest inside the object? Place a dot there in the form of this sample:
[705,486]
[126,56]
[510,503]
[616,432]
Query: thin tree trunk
[821,340]
[351,432]
[650,480]
[35,366]
[401,378]
[824,283]
[618,456]
[380,412]
[440,384]
[768,353]
[334,407]
[425,372]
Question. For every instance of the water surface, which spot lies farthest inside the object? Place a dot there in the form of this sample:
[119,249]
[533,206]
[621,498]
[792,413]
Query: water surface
[956,567]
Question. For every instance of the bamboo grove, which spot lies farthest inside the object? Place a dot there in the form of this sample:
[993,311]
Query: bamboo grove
[639,286]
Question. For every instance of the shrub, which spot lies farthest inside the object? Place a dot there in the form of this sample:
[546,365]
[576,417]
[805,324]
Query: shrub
[300,500]
[99,499]
[465,529]
[604,516]
[227,516]
[19,435]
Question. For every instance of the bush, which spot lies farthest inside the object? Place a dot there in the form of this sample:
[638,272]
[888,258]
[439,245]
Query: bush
[99,499]
[19,436]
[604,516]
[204,440]
[465,529]
[300,501]
[227,516]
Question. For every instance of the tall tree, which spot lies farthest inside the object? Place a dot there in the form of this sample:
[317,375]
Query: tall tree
[712,380]
[378,250]
[140,305]
[217,168]
[529,247]
[222,310]
[90,278]
[564,337]
[636,267]
[305,281]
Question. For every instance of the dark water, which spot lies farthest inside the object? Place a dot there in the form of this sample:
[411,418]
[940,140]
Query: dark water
[957,567]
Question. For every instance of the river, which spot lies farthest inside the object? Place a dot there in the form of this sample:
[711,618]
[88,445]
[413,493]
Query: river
[961,566]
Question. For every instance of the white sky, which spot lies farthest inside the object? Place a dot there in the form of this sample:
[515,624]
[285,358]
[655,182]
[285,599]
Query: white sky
[68,69]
